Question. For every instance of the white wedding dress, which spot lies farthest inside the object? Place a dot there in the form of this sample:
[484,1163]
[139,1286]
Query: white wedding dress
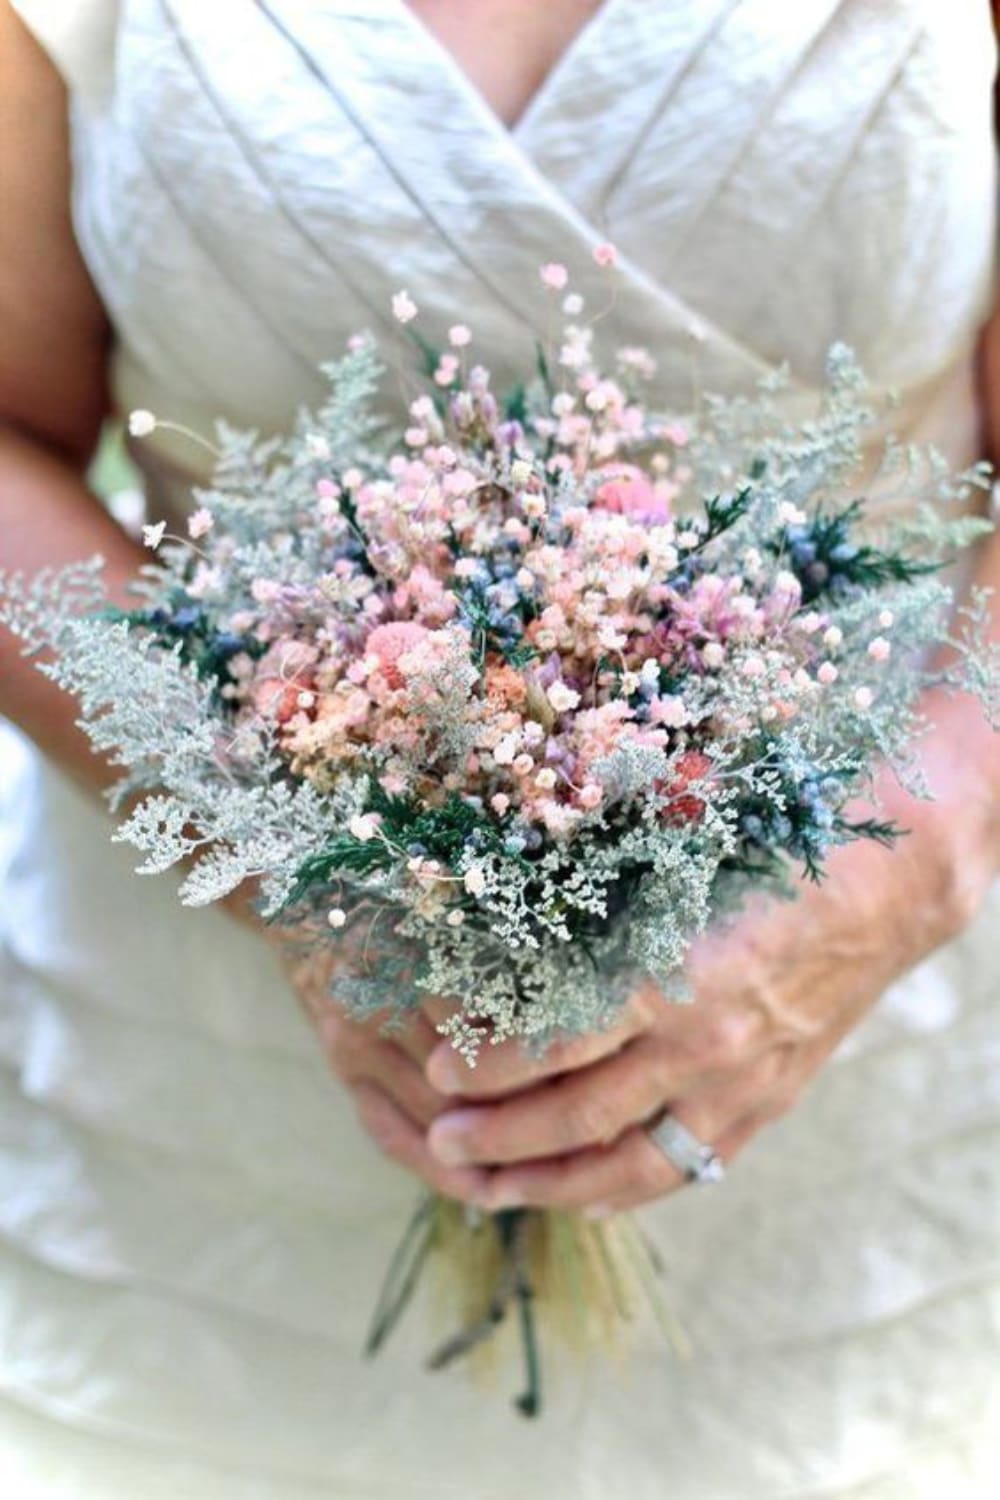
[192,1225]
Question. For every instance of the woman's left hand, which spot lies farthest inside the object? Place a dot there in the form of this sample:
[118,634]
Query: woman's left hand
[774,995]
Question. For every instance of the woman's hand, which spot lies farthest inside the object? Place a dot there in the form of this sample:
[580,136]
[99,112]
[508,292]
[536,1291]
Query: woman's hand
[775,994]
[384,1072]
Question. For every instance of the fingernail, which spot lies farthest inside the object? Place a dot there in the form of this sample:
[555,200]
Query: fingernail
[445,1070]
[448,1137]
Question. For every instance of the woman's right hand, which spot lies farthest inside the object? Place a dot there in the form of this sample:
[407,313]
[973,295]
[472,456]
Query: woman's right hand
[384,1072]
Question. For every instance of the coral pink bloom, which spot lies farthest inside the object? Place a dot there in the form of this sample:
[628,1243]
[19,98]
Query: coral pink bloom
[389,642]
[274,699]
[630,492]
[283,672]
[680,805]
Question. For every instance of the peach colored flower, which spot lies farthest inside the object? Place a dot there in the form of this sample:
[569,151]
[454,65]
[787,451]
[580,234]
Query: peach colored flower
[505,683]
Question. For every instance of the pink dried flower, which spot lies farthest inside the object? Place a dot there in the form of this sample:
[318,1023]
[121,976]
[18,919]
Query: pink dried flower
[404,309]
[554,275]
[364,826]
[200,523]
[670,711]
[630,492]
[388,643]
[448,367]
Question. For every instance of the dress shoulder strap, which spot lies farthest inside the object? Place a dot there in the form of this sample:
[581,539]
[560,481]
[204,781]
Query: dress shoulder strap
[79,36]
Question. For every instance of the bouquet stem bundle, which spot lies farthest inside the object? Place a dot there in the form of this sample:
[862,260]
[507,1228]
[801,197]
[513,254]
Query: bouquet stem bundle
[584,1282]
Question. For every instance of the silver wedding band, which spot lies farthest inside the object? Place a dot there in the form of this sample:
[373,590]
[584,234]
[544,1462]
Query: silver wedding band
[698,1162]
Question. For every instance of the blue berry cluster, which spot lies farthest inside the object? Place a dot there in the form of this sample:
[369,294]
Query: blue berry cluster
[805,825]
[185,622]
[820,568]
[493,604]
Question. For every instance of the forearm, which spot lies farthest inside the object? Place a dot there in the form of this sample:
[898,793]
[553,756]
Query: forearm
[48,517]
[976,744]
[951,853]
[963,751]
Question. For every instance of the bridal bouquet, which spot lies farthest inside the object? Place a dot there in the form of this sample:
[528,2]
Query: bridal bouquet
[510,706]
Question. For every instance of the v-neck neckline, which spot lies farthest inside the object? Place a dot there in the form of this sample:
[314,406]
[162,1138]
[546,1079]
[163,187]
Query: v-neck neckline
[557,80]
[491,205]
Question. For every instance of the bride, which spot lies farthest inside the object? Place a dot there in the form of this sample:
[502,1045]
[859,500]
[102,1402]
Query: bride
[199,1188]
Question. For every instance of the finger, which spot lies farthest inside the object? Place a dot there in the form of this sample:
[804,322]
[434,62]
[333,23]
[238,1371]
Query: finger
[355,1054]
[600,1174]
[400,1077]
[595,1105]
[416,1036]
[412,1032]
[634,1169]
[508,1066]
[585,1108]
[403,1141]
[728,1146]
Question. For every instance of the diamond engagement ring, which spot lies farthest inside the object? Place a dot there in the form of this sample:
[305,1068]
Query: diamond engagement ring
[698,1162]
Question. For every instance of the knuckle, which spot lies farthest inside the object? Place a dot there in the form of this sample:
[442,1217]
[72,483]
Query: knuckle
[383,1132]
[422,1103]
[585,1120]
[559,1055]
[724,1037]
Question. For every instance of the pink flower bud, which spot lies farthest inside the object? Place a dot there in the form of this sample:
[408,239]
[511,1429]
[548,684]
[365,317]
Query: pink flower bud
[554,276]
